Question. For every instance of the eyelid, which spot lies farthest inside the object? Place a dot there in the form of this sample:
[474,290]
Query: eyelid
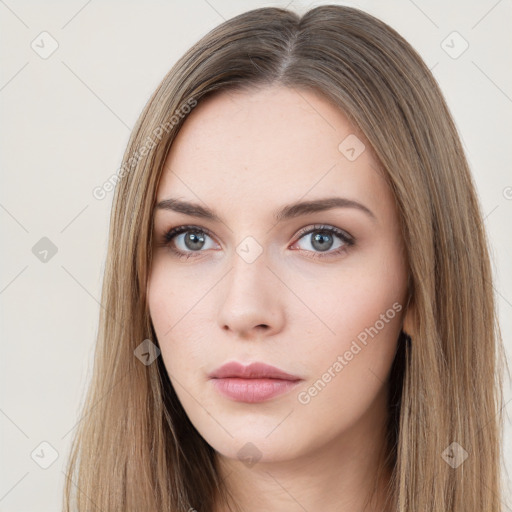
[173,232]
[347,237]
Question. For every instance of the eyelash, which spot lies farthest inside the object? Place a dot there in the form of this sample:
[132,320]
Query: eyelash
[348,240]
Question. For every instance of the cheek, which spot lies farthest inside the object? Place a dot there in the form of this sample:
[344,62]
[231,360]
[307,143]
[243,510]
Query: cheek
[350,367]
[358,297]
[348,370]
[171,307]
[363,338]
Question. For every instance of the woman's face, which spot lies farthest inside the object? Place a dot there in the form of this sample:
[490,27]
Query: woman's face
[269,271]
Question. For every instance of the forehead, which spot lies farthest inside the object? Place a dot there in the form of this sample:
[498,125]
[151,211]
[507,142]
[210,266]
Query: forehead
[276,143]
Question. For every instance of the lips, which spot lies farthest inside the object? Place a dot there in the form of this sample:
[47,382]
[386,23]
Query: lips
[256,382]
[251,371]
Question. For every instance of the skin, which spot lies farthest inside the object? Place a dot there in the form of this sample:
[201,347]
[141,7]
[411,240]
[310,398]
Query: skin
[244,155]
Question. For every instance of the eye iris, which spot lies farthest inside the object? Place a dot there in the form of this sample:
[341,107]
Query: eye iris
[322,241]
[193,241]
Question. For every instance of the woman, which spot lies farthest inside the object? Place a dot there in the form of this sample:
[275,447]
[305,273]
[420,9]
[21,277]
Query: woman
[298,298]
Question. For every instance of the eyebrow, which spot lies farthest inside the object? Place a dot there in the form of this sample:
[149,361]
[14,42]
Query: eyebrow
[290,211]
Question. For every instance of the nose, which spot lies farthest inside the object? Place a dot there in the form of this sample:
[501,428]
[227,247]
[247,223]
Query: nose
[251,303]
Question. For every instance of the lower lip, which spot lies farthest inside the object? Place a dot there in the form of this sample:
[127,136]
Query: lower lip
[252,390]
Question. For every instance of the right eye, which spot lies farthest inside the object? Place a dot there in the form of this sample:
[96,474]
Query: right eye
[187,240]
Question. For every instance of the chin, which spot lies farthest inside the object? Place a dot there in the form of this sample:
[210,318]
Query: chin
[264,443]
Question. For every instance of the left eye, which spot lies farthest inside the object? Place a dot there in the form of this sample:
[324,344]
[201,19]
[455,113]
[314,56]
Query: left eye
[323,239]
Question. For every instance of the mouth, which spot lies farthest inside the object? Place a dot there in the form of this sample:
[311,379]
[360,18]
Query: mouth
[256,382]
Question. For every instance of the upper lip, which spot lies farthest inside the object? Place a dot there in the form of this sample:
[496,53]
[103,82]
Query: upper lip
[251,371]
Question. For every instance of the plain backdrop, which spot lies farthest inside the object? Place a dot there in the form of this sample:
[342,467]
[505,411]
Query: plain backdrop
[66,118]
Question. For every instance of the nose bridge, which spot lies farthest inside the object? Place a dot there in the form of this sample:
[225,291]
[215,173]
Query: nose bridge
[250,299]
[247,277]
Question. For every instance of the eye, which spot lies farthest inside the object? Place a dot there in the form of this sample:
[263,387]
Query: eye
[321,239]
[187,240]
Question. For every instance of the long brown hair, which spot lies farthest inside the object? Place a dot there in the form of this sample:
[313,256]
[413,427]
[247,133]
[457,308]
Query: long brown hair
[135,448]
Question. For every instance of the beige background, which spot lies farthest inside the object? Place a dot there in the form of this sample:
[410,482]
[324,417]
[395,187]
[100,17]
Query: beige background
[65,122]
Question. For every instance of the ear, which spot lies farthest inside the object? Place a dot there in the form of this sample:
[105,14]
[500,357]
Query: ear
[409,317]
